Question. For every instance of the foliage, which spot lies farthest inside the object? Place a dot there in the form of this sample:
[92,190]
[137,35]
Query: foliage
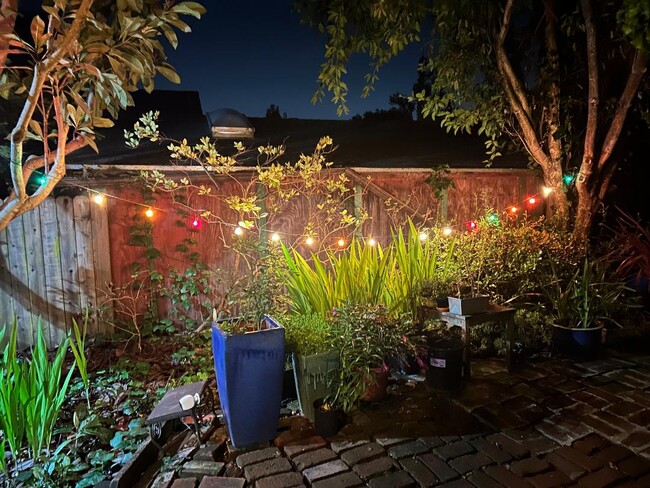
[306,334]
[32,393]
[586,299]
[525,75]
[630,248]
[439,334]
[367,336]
[78,348]
[79,63]
[440,181]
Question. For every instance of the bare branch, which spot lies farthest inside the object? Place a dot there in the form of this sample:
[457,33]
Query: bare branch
[586,167]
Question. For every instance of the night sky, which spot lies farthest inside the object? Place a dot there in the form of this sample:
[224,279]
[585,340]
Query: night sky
[250,54]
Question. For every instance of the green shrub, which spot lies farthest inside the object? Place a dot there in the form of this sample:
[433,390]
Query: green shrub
[306,334]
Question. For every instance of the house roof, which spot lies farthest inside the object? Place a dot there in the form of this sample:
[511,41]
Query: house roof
[375,142]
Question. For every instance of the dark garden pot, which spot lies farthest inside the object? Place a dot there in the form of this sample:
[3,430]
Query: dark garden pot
[377,384]
[577,343]
[445,366]
[442,304]
[249,369]
[315,377]
[327,423]
[289,392]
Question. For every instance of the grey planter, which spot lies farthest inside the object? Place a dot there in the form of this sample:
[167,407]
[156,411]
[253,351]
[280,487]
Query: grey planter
[316,376]
[468,306]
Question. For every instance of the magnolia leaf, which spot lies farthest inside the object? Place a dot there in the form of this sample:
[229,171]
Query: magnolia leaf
[102,123]
[170,35]
[92,144]
[36,129]
[194,9]
[37,29]
[169,73]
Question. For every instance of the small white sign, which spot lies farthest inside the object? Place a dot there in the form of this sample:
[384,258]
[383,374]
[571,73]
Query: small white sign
[438,363]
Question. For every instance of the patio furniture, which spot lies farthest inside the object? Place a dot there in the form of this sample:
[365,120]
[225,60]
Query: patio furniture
[495,313]
[169,408]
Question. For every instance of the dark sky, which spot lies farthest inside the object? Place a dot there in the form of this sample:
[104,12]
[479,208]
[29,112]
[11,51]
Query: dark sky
[248,54]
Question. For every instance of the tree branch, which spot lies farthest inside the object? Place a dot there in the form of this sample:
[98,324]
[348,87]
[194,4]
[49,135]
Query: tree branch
[638,70]
[586,167]
[552,114]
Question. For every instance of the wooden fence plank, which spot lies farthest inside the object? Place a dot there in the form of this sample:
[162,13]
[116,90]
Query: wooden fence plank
[6,291]
[102,262]
[19,280]
[53,273]
[83,235]
[36,273]
[69,266]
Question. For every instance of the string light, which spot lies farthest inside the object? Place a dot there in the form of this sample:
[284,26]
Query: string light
[532,201]
[372,242]
[239,231]
[41,180]
[196,223]
[149,213]
[341,242]
[514,209]
[98,199]
[309,241]
[423,236]
[447,231]
[471,225]
[275,237]
[568,179]
[493,218]
[546,191]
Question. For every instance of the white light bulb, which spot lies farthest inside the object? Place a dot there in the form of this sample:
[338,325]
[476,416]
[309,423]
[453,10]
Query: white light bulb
[275,237]
[98,199]
[239,231]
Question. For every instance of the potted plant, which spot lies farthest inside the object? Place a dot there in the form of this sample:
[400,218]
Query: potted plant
[445,355]
[368,337]
[469,258]
[315,362]
[580,307]
[248,348]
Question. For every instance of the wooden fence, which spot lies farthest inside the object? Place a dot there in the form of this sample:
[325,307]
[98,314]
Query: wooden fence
[58,258]
[54,262]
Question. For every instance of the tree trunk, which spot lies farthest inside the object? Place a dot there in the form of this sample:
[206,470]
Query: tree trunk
[584,217]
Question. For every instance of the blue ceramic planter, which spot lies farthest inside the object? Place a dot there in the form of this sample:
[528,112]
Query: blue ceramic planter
[578,343]
[249,369]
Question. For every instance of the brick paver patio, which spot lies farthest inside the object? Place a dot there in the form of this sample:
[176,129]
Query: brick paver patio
[549,424]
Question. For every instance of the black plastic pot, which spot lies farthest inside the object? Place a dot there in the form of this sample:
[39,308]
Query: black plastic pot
[577,343]
[442,303]
[289,392]
[327,423]
[445,366]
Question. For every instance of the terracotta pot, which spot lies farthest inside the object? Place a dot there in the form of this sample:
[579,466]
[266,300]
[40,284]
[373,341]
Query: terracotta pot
[377,383]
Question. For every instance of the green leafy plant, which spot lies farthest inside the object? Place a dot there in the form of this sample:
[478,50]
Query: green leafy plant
[78,348]
[307,334]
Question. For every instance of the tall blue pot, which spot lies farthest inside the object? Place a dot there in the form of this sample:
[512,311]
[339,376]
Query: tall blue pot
[249,369]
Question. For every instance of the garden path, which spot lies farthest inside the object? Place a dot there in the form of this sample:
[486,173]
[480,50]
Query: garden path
[551,423]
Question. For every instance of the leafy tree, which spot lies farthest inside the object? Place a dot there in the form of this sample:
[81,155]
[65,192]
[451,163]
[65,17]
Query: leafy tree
[273,112]
[556,79]
[79,63]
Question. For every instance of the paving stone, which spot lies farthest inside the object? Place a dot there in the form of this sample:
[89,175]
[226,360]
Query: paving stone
[491,450]
[253,457]
[613,454]
[515,449]
[198,469]
[634,467]
[481,480]
[293,437]
[624,408]
[362,453]
[552,479]
[579,458]
[207,453]
[419,472]
[284,480]
[641,418]
[506,478]
[454,450]
[637,440]
[602,478]
[374,468]
[324,470]
[615,421]
[313,458]
[163,480]
[398,479]
[409,449]
[432,441]
[184,483]
[310,444]
[589,399]
[221,482]
[591,444]
[562,429]
[343,480]
[529,467]
[441,469]
[390,441]
[340,446]
[572,470]
[470,462]
[461,483]
[266,468]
